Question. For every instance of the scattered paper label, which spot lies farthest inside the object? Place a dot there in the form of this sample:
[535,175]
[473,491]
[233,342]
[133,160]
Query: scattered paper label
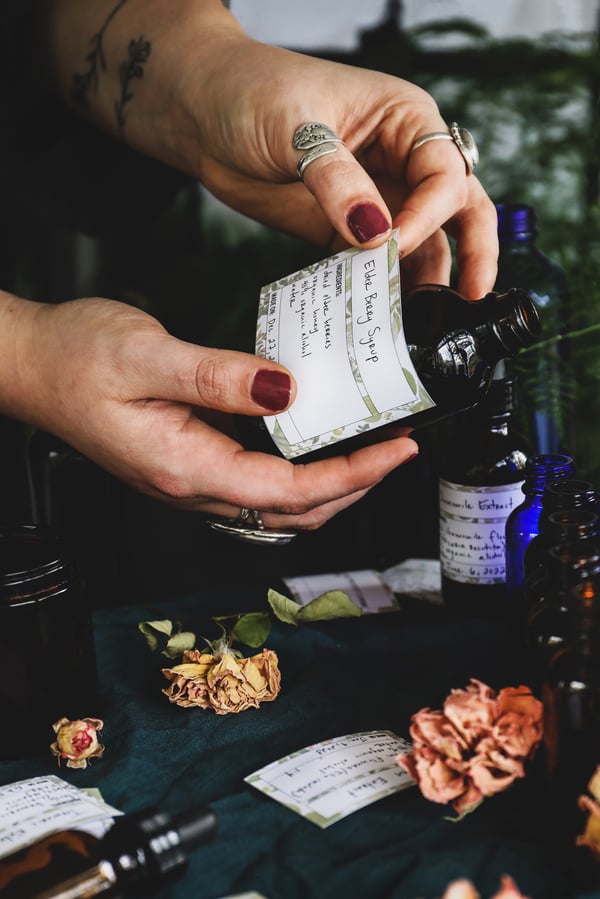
[327,781]
[35,808]
[421,578]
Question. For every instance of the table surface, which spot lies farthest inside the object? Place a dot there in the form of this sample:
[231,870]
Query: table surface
[338,677]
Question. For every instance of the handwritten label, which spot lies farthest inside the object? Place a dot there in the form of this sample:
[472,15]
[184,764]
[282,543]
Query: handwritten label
[35,808]
[473,531]
[338,327]
[366,588]
[327,781]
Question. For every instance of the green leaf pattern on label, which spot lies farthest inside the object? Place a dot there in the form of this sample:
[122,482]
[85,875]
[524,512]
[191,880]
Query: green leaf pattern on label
[373,417]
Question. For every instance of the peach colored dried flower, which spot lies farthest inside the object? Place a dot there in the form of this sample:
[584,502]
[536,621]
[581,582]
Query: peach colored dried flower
[477,745]
[77,741]
[464,889]
[591,804]
[223,683]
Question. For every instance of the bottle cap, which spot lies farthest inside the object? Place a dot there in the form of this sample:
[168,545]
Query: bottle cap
[516,221]
[153,846]
[516,322]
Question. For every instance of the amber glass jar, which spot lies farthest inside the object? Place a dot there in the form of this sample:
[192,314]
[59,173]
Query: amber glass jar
[47,657]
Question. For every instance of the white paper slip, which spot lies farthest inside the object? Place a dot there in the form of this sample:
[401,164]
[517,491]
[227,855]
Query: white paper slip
[251,895]
[37,807]
[421,578]
[366,588]
[337,326]
[327,781]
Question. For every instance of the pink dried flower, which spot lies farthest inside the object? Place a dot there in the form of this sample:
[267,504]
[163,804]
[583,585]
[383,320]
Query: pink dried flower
[591,806]
[475,746]
[464,889]
[77,741]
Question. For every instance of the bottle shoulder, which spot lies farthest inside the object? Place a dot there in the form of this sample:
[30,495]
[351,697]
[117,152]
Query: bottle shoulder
[522,264]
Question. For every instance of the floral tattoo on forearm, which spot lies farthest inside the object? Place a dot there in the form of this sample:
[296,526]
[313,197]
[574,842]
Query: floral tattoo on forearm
[133,67]
[86,83]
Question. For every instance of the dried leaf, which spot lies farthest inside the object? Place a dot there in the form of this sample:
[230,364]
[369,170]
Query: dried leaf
[252,629]
[284,608]
[178,643]
[333,604]
[152,629]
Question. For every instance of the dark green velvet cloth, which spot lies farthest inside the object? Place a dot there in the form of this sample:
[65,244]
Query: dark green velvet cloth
[338,677]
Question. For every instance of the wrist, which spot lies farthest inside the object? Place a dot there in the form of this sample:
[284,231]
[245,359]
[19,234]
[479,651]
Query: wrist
[138,71]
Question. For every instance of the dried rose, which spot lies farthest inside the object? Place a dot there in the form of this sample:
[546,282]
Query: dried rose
[224,684]
[460,889]
[519,725]
[437,777]
[464,889]
[475,746]
[508,889]
[432,728]
[77,741]
[491,770]
[471,711]
[591,835]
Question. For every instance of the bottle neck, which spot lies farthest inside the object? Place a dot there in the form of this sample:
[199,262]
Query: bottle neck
[511,324]
[516,223]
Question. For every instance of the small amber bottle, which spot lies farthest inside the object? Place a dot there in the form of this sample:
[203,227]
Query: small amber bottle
[139,855]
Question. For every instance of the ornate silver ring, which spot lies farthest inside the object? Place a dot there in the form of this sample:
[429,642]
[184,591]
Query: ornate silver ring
[248,526]
[463,139]
[317,139]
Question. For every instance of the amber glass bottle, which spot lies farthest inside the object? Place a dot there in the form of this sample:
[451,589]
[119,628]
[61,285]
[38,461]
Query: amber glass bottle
[454,346]
[139,855]
[571,696]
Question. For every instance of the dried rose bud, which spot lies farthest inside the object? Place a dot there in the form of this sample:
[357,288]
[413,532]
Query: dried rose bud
[77,741]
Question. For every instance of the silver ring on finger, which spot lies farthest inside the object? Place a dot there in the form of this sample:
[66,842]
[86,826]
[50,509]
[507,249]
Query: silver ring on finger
[460,137]
[249,527]
[317,140]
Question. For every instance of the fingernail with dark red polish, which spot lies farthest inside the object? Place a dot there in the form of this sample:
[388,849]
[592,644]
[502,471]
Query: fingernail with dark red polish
[367,221]
[271,389]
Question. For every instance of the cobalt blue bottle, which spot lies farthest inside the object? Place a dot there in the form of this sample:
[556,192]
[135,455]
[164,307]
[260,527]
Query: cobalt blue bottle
[522,525]
[544,376]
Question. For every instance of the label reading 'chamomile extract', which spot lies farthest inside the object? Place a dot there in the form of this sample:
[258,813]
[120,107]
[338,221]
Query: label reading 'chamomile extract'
[337,326]
[472,531]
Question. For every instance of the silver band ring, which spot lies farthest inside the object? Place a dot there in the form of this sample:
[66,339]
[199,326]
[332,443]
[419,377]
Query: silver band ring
[317,139]
[461,137]
[249,526]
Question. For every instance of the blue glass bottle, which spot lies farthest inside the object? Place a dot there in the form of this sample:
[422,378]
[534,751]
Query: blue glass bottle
[522,525]
[545,376]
